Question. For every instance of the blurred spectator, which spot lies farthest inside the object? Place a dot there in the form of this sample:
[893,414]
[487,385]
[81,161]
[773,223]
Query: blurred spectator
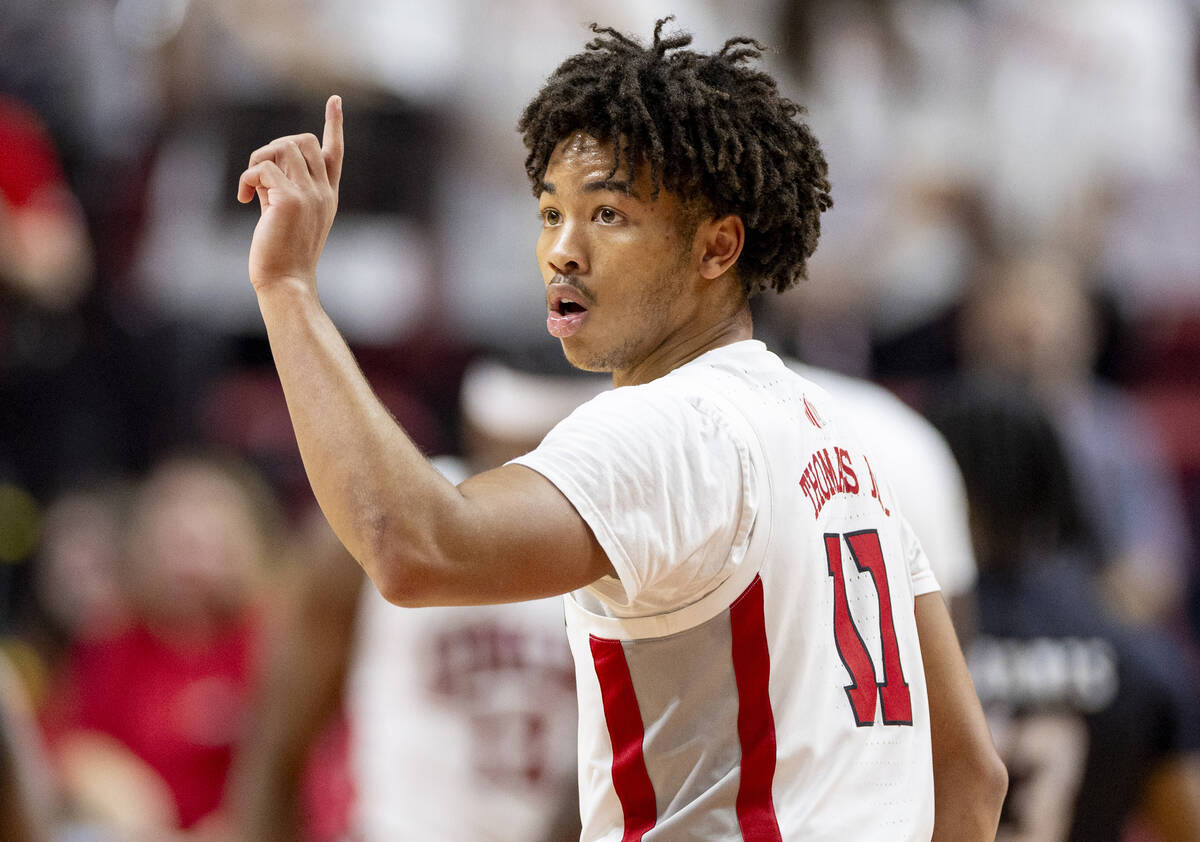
[143,722]
[26,790]
[1058,74]
[78,563]
[45,269]
[90,70]
[1098,724]
[54,419]
[45,252]
[462,720]
[876,76]
[260,62]
[954,128]
[1029,318]
[72,593]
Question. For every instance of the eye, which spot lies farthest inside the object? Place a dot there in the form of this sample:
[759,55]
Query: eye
[607,215]
[550,216]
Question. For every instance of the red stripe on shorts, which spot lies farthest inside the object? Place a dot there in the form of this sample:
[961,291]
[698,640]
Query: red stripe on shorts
[756,723]
[625,731]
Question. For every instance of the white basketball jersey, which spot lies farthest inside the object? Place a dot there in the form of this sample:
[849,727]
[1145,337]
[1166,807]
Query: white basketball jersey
[789,702]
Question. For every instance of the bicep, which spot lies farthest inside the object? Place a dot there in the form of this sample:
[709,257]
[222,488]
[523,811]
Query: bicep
[513,536]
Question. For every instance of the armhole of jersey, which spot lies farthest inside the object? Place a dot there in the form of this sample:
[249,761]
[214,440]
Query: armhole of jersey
[756,533]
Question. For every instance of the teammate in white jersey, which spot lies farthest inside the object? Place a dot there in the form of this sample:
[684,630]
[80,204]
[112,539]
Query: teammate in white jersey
[760,650]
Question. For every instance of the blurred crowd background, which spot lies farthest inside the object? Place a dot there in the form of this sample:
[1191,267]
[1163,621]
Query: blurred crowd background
[1017,207]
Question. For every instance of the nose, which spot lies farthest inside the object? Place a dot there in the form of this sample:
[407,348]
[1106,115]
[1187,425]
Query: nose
[566,251]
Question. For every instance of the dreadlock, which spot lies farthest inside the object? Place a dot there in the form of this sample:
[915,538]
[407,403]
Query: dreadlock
[707,125]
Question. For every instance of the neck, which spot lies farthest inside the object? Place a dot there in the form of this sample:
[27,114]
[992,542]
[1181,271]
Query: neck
[680,349]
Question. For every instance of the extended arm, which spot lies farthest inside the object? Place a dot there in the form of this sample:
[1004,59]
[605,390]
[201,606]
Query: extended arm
[969,779]
[505,535]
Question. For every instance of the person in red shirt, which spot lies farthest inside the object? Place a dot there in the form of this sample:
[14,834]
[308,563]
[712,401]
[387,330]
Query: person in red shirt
[144,722]
[45,252]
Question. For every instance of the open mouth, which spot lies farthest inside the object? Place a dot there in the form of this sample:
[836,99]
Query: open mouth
[566,312]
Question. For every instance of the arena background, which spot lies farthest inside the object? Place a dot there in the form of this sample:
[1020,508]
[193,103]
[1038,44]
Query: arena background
[1016,187]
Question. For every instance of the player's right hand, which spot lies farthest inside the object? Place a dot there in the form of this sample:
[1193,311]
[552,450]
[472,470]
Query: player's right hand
[296,180]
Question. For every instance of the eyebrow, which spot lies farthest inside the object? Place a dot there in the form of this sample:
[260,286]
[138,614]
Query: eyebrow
[614,185]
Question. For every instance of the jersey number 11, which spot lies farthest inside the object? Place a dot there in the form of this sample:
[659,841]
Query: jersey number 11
[865,688]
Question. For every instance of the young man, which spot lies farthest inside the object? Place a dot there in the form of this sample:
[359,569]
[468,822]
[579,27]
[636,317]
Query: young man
[754,625]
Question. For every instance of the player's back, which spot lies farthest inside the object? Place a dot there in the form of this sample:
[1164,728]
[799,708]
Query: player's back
[788,702]
[847,683]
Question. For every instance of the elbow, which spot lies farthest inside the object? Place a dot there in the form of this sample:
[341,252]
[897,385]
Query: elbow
[394,580]
[391,563]
[995,776]
[991,788]
[969,788]
[402,579]
[411,565]
[395,590]
[411,555]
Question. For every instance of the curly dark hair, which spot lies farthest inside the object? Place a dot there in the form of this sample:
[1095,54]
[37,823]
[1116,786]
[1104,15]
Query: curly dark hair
[707,125]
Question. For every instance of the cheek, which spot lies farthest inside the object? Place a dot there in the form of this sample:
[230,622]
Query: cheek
[545,242]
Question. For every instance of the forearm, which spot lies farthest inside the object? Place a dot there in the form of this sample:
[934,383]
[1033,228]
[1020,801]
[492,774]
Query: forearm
[969,779]
[508,534]
[376,488]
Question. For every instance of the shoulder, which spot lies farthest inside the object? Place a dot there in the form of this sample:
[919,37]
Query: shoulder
[665,407]
[652,435]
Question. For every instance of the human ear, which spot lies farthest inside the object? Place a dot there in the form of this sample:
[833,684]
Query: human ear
[723,239]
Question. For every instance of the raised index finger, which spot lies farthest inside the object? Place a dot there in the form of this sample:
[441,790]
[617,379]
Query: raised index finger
[332,145]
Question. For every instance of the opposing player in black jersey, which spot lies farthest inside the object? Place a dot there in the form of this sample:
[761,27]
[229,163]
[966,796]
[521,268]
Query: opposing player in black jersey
[1099,724]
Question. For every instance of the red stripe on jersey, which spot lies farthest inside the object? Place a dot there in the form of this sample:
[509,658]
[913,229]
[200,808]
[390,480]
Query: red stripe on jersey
[756,723]
[624,720]
[812,413]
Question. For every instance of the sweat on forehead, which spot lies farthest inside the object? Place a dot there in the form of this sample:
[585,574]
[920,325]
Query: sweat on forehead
[607,171]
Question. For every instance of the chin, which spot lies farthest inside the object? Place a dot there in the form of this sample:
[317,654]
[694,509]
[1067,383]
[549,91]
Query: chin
[619,356]
[585,361]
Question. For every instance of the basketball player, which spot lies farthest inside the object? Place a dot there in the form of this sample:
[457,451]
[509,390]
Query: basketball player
[1098,720]
[757,636]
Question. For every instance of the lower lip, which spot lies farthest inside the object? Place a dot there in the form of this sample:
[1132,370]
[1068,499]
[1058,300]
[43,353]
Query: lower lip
[562,325]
